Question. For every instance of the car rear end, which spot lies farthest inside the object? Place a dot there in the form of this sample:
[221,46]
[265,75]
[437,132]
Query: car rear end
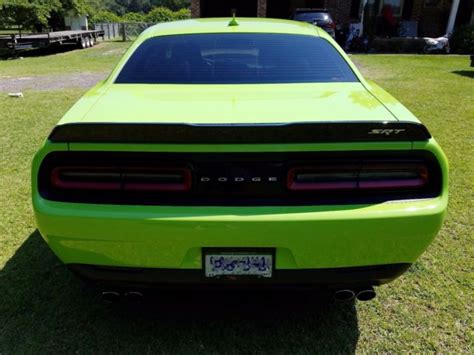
[264,185]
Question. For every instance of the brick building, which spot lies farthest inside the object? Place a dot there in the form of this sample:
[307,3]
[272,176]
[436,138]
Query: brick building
[431,16]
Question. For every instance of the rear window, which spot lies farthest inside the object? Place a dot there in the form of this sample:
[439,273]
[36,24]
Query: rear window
[224,58]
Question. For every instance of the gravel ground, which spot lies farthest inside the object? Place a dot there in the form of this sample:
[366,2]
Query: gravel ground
[49,82]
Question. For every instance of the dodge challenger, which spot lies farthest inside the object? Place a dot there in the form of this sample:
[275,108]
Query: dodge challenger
[249,153]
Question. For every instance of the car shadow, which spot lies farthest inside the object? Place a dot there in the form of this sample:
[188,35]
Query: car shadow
[467,73]
[44,307]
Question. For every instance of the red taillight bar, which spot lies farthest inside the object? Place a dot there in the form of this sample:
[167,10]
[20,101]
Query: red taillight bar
[86,178]
[324,178]
[132,176]
[122,178]
[395,176]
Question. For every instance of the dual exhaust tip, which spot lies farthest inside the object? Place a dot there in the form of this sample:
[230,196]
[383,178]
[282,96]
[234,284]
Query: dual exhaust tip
[343,295]
[365,294]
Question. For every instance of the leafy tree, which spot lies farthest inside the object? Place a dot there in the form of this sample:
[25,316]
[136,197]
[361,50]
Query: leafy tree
[50,13]
[160,14]
[182,14]
[174,5]
[27,13]
[104,16]
[134,17]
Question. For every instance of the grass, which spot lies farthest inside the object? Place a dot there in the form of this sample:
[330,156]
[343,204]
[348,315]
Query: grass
[99,58]
[429,309]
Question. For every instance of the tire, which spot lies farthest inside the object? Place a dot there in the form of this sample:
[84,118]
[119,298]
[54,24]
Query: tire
[82,43]
[93,41]
[88,42]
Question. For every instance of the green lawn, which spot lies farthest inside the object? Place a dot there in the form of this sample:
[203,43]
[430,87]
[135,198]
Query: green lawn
[45,309]
[100,58]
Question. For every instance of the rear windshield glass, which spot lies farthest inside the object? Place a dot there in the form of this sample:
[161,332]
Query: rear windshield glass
[249,58]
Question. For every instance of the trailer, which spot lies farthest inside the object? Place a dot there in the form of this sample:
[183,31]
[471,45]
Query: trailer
[18,42]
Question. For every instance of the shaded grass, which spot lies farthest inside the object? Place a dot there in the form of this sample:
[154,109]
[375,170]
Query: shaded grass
[44,308]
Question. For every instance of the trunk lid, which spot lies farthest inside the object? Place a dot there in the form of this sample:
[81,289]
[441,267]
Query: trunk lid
[235,104]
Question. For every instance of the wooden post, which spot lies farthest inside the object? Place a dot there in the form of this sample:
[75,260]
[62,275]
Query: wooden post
[124,34]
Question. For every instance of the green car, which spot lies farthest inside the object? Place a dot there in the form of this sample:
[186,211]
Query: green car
[244,153]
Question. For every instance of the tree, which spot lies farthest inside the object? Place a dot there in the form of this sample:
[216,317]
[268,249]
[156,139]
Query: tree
[104,16]
[134,17]
[27,13]
[182,14]
[38,13]
[174,5]
[160,14]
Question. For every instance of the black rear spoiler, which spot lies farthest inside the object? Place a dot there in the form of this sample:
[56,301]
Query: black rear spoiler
[182,133]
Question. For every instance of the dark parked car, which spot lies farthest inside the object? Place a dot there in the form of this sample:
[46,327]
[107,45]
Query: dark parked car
[318,17]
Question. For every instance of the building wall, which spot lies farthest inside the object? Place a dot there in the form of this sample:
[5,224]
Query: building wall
[195,8]
[431,20]
[262,8]
[340,10]
[76,22]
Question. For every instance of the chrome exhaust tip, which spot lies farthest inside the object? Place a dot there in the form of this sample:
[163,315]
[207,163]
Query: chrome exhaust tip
[344,295]
[366,294]
[110,296]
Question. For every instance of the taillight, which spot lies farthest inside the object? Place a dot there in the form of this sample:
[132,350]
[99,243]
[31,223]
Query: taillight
[397,176]
[121,178]
[86,178]
[367,176]
[322,178]
[238,179]
[157,179]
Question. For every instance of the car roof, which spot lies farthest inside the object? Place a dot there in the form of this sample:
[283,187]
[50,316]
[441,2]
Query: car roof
[221,25]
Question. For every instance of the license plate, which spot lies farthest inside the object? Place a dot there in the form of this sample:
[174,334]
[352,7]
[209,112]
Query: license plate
[238,264]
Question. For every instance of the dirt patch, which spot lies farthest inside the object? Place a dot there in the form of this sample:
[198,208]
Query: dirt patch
[50,82]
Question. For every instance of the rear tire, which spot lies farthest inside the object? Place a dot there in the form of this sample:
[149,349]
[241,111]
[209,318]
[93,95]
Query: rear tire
[82,43]
[88,42]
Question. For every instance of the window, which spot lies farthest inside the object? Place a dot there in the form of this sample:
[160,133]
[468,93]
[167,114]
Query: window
[235,58]
[396,5]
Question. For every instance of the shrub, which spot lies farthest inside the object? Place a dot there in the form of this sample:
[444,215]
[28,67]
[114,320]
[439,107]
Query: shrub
[160,14]
[163,14]
[462,40]
[134,17]
[182,14]
[104,16]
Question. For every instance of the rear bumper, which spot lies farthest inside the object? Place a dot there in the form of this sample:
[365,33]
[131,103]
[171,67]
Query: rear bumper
[124,277]
[311,237]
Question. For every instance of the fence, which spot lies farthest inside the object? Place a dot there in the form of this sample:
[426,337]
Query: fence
[126,31]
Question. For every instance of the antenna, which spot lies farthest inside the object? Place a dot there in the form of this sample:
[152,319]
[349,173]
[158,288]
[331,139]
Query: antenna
[234,21]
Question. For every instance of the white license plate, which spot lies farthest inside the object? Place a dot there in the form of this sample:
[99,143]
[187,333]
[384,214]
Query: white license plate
[229,264]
